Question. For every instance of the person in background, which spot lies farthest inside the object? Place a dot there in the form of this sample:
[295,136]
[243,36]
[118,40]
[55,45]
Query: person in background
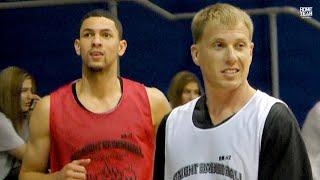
[17,96]
[311,135]
[184,87]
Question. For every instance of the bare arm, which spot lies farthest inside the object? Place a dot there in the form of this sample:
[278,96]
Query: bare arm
[159,106]
[18,151]
[10,141]
[35,160]
[36,157]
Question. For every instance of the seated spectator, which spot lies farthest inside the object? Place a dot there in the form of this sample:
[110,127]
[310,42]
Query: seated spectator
[17,88]
[311,135]
[183,87]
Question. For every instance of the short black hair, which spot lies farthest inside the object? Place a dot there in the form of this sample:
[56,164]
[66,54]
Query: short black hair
[103,13]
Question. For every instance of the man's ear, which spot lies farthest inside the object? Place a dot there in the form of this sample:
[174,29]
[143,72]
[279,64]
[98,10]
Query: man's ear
[251,48]
[122,47]
[77,46]
[195,53]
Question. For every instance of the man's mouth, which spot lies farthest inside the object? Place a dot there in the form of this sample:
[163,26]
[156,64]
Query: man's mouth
[230,71]
[96,53]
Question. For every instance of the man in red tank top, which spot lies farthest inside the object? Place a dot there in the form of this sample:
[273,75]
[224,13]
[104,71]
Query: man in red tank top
[100,126]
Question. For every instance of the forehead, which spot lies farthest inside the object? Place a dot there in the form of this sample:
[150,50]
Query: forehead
[191,85]
[238,31]
[98,23]
[27,83]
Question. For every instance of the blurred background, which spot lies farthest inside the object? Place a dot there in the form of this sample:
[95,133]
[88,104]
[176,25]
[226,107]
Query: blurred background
[40,40]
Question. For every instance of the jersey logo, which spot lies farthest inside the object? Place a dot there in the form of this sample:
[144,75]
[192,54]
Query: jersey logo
[213,168]
[224,157]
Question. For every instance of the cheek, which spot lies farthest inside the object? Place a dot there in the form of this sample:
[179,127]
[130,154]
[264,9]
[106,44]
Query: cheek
[211,66]
[246,62]
[114,47]
[22,102]
[22,97]
[83,48]
[211,59]
[184,96]
[23,106]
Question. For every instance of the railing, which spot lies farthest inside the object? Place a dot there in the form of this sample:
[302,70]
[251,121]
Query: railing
[272,13]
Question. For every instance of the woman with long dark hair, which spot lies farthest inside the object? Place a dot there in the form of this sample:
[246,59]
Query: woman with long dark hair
[183,87]
[17,96]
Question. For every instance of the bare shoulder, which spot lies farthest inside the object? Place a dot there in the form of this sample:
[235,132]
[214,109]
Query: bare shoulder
[44,103]
[155,94]
[39,120]
[157,98]
[159,105]
[36,157]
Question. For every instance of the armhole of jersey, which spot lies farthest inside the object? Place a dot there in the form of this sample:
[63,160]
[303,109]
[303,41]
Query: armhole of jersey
[160,150]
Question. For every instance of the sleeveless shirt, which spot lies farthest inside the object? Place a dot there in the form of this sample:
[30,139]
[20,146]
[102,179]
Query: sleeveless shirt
[120,142]
[227,151]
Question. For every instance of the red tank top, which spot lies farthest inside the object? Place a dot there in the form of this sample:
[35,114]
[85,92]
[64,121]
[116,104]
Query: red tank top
[120,142]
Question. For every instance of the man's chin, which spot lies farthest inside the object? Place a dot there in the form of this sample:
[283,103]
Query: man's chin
[95,68]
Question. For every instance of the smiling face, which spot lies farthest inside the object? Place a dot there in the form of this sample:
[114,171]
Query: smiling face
[99,44]
[224,54]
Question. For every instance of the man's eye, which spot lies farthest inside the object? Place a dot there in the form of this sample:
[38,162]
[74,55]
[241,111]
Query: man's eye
[87,35]
[241,45]
[217,45]
[106,35]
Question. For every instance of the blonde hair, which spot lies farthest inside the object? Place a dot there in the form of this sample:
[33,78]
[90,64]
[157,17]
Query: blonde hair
[219,14]
[178,83]
[11,80]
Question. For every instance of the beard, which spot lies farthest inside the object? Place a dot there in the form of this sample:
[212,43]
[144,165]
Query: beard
[95,69]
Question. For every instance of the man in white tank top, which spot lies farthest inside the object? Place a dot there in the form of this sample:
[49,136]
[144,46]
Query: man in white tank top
[234,131]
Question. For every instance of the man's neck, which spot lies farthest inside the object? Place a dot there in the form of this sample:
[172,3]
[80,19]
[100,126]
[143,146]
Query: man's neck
[99,84]
[224,103]
[99,92]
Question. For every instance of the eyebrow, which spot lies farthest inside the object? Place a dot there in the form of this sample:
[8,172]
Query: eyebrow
[242,39]
[217,39]
[222,39]
[26,88]
[89,29]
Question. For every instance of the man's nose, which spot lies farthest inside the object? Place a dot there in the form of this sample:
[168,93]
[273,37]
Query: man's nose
[231,56]
[96,41]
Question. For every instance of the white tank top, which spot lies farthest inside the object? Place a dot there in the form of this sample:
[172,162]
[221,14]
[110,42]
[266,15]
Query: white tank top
[227,151]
